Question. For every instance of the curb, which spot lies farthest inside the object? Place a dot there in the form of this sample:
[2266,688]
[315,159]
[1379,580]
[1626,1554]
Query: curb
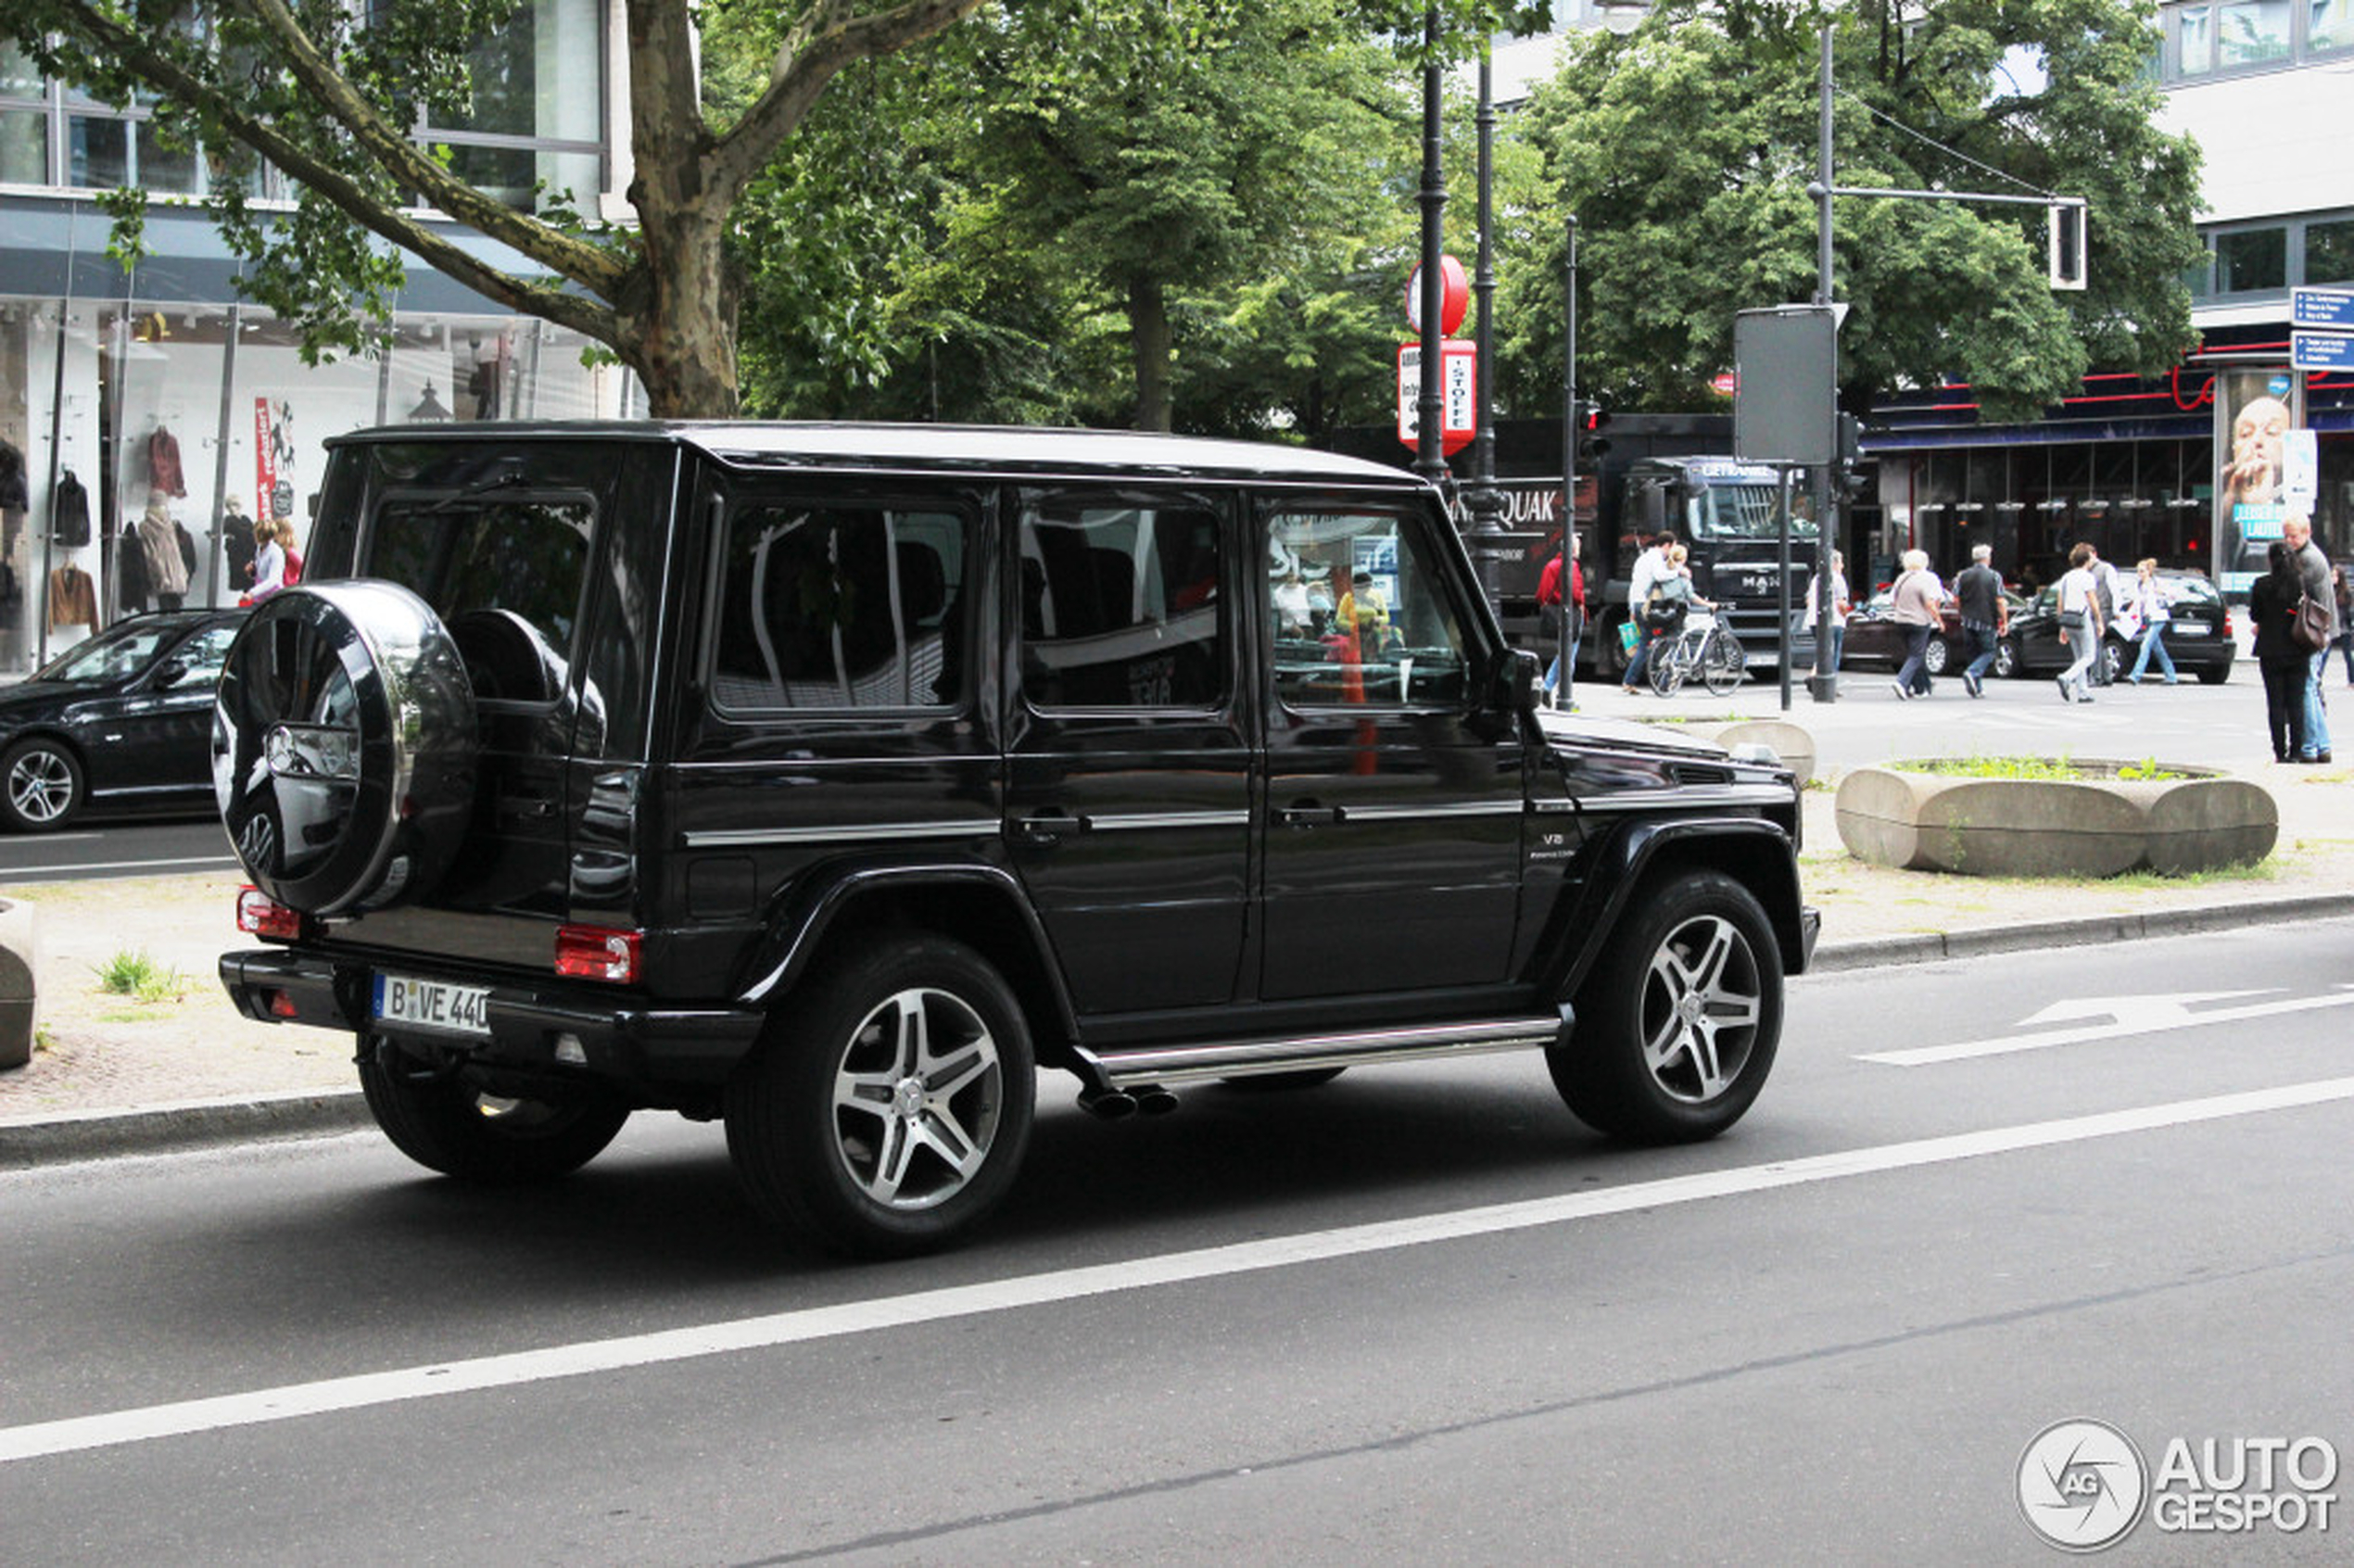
[84,1136]
[192,1124]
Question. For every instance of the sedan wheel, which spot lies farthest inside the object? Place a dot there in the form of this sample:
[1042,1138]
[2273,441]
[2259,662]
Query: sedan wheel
[42,785]
[2006,659]
[1937,656]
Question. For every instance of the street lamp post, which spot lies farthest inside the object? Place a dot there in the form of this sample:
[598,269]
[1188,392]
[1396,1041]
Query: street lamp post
[1430,453]
[1569,450]
[1487,503]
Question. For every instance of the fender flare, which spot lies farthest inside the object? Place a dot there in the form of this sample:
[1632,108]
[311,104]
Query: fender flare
[1754,849]
[819,904]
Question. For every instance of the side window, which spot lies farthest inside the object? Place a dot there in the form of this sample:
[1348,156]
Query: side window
[1361,612]
[834,605]
[204,654]
[1120,606]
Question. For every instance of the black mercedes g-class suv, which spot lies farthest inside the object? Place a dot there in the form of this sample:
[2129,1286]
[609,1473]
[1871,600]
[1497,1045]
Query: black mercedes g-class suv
[830,780]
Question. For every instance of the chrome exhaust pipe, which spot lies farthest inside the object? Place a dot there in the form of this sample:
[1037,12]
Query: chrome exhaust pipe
[1112,1104]
[1154,1100]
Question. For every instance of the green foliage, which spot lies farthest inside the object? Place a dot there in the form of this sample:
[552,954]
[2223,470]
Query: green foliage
[2061,768]
[135,975]
[1684,148]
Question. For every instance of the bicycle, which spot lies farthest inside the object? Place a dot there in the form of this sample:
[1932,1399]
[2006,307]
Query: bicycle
[1705,648]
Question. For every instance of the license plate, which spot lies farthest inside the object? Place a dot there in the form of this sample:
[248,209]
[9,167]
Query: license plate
[2188,629]
[424,1003]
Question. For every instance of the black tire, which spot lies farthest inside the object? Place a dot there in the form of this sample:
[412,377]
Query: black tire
[446,1126]
[843,1125]
[2214,675]
[2006,663]
[2112,660]
[1272,1082]
[41,786]
[1725,664]
[343,747]
[1936,656]
[1695,938]
[1669,666]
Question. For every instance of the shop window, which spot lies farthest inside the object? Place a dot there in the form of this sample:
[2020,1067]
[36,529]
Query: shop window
[2251,32]
[97,153]
[2195,40]
[2329,26]
[24,148]
[2329,251]
[2251,260]
[163,169]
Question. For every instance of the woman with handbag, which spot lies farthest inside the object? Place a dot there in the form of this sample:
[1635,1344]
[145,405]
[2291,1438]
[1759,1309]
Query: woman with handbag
[2272,610]
[2080,624]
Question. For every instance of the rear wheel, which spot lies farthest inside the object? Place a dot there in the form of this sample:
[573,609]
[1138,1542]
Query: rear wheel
[2216,675]
[1936,656]
[2112,659]
[40,786]
[2006,663]
[444,1125]
[1725,665]
[889,1114]
[1679,1023]
[1671,661]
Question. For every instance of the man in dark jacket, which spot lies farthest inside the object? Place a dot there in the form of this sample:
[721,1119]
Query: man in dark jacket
[1986,615]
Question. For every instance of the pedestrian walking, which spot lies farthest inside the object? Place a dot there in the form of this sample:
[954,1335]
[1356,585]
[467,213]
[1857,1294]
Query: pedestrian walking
[1917,604]
[2344,641]
[2153,606]
[1832,641]
[2110,586]
[2313,570]
[2286,665]
[2080,625]
[1568,615]
[1986,615]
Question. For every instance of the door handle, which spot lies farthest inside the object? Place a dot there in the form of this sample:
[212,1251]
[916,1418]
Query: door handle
[1048,827]
[1309,816]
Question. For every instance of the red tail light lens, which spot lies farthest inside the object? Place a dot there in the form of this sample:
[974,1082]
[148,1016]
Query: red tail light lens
[598,953]
[259,914]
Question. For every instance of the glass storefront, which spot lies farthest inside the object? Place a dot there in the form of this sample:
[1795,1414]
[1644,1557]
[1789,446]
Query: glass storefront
[205,416]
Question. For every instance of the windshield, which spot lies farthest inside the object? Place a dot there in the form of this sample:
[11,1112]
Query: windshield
[118,655]
[1741,512]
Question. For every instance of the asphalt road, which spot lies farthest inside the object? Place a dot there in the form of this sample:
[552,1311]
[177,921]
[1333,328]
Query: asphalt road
[105,847]
[1418,1316]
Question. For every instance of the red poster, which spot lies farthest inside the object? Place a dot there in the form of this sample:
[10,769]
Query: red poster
[265,460]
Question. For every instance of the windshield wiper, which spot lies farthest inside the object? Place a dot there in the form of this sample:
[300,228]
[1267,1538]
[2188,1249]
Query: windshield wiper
[508,480]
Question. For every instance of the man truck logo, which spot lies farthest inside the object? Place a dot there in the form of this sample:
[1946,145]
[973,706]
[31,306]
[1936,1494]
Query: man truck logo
[2081,1485]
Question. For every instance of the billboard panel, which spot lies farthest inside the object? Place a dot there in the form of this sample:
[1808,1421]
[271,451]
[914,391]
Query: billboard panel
[2255,410]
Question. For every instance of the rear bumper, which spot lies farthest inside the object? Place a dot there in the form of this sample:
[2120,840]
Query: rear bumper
[619,1040]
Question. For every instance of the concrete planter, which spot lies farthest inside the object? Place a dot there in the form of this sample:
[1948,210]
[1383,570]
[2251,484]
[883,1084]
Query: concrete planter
[1793,744]
[20,963]
[2094,826]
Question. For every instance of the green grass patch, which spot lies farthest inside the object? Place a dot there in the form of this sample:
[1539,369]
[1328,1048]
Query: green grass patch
[2061,768]
[135,975]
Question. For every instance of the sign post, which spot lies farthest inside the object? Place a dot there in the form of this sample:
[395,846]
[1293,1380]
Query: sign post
[1459,406]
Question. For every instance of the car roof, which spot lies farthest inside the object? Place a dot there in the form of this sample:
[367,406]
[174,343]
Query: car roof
[960,447]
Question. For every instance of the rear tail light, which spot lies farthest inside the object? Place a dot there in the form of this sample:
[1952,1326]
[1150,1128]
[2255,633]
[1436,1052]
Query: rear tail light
[598,953]
[259,914]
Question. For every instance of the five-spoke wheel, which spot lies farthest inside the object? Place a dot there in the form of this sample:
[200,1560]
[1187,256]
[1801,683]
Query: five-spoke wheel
[887,1113]
[1679,1022]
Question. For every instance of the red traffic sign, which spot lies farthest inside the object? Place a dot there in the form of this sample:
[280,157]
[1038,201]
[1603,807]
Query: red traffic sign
[1454,297]
[1459,395]
[1724,384]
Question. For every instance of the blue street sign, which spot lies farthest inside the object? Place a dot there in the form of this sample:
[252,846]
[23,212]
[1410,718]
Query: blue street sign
[2322,308]
[2320,352]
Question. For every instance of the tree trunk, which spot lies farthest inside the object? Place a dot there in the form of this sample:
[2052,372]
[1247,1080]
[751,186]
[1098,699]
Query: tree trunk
[1148,334]
[677,312]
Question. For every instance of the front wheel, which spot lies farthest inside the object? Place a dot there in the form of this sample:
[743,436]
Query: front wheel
[446,1126]
[1936,656]
[2112,661]
[889,1113]
[2006,663]
[1725,665]
[44,786]
[1679,1023]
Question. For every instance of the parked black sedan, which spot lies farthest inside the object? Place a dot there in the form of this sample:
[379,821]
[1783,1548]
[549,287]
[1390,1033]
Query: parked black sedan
[122,719]
[1875,639]
[2198,638]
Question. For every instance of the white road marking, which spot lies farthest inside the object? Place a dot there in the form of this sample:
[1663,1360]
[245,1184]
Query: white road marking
[2141,1022]
[30,873]
[359,1392]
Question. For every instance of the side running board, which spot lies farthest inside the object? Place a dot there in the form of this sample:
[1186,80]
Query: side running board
[1162,1066]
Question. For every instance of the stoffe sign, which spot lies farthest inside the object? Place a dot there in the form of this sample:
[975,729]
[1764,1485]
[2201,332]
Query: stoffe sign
[1459,404]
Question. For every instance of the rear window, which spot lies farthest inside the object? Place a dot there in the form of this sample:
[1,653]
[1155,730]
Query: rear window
[506,569]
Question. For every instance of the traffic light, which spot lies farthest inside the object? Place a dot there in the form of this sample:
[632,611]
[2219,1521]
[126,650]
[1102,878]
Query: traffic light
[1848,472]
[1592,445]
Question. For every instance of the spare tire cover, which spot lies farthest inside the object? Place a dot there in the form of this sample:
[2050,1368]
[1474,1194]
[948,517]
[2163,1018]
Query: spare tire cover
[343,747]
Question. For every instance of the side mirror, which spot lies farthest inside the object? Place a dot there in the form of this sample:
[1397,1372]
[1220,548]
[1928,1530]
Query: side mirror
[1514,688]
[170,673]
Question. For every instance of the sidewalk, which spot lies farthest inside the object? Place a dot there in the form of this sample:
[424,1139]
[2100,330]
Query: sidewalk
[111,1074]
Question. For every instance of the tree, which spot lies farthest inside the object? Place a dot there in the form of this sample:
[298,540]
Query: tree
[1684,148]
[327,92]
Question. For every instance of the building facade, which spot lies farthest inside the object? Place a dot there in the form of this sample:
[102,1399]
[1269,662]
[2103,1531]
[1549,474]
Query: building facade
[154,389]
